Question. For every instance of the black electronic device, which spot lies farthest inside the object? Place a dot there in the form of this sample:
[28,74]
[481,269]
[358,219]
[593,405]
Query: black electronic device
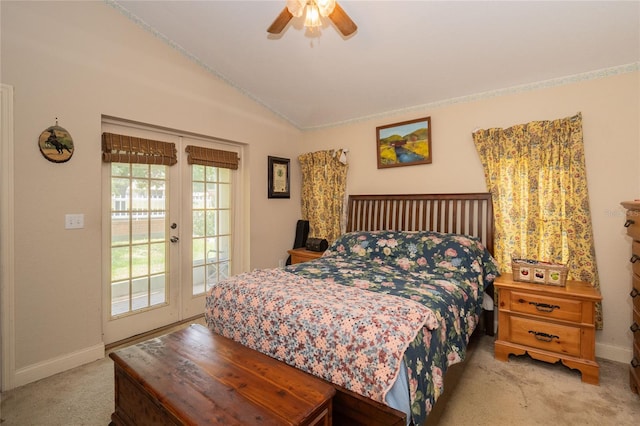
[302,232]
[317,244]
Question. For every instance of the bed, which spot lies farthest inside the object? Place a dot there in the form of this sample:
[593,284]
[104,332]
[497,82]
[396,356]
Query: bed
[340,318]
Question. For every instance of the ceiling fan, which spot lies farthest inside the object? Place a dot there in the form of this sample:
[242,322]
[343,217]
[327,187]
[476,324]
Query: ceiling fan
[315,9]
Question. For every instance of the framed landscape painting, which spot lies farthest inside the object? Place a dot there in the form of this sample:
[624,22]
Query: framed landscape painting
[404,144]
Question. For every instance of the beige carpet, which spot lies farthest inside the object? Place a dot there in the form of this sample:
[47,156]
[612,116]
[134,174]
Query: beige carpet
[521,392]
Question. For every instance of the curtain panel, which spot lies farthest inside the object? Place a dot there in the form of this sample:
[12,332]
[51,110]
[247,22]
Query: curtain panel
[537,176]
[324,181]
[129,149]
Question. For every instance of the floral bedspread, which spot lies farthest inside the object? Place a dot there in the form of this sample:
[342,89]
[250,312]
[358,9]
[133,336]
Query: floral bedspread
[326,329]
[439,278]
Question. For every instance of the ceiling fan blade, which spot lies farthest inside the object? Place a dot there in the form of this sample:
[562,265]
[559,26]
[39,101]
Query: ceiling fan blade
[342,21]
[280,22]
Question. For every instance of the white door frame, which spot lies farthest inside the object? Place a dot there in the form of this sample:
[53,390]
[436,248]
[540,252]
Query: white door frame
[7,302]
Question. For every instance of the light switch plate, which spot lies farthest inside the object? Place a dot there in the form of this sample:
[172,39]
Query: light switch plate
[74,221]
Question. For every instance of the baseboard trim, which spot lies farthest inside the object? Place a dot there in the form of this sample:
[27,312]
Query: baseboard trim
[57,365]
[613,353]
[110,347]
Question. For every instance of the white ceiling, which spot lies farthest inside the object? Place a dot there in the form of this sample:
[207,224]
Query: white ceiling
[404,55]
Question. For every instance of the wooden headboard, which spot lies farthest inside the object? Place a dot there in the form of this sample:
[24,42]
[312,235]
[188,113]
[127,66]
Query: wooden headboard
[468,214]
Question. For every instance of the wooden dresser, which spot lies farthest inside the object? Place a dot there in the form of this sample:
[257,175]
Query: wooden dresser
[633,230]
[550,323]
[300,255]
[196,377]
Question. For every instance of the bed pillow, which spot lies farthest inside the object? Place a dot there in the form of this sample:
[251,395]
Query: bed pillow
[380,245]
[417,251]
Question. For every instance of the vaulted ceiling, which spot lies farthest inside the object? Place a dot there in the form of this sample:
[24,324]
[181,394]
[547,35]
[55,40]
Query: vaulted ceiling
[405,54]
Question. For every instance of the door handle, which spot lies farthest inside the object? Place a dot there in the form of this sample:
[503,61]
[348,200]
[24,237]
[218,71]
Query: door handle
[174,239]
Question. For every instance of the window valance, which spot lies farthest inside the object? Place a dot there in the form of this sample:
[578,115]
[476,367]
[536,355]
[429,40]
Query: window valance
[212,157]
[129,149]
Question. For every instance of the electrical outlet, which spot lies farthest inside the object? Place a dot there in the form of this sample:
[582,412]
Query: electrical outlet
[74,221]
[281,263]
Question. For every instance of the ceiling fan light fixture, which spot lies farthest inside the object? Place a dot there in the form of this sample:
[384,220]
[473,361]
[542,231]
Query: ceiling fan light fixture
[296,7]
[315,9]
[312,18]
[325,7]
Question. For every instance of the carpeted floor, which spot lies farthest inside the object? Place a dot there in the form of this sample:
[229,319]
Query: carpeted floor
[521,392]
[526,392]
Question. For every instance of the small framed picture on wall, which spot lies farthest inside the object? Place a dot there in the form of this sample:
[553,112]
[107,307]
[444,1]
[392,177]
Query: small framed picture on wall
[278,177]
[404,144]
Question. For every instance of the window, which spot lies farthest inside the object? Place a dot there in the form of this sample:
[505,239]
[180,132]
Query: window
[211,222]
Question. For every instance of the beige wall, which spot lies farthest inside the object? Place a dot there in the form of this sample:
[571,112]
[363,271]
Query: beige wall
[611,124]
[75,61]
[97,62]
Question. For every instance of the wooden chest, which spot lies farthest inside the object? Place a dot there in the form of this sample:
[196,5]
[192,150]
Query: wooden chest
[632,224]
[196,377]
[550,323]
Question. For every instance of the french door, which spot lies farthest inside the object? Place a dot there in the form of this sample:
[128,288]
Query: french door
[169,235]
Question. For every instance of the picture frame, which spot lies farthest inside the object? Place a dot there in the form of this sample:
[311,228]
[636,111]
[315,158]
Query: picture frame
[278,177]
[404,144]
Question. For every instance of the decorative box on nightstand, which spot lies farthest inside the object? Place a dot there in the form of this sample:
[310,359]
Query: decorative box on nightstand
[300,255]
[550,323]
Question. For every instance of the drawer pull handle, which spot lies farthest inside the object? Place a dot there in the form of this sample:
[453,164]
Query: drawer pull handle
[634,293]
[634,327]
[634,258]
[544,307]
[543,336]
[628,223]
[635,363]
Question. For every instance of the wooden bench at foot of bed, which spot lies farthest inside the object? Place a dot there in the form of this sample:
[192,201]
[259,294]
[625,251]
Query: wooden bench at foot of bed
[196,377]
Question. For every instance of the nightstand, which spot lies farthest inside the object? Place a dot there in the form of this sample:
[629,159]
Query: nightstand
[550,323]
[300,255]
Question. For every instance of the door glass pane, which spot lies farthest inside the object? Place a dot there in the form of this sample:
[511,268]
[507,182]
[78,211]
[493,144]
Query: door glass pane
[140,293]
[120,267]
[198,223]
[157,258]
[225,221]
[119,297]
[211,226]
[212,223]
[158,293]
[138,237]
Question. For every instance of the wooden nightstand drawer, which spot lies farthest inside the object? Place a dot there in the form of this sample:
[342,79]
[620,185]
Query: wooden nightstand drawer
[544,335]
[635,295]
[635,257]
[635,327]
[548,307]
[633,224]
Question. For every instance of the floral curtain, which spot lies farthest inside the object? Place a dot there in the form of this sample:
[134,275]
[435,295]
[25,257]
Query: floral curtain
[324,181]
[537,177]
